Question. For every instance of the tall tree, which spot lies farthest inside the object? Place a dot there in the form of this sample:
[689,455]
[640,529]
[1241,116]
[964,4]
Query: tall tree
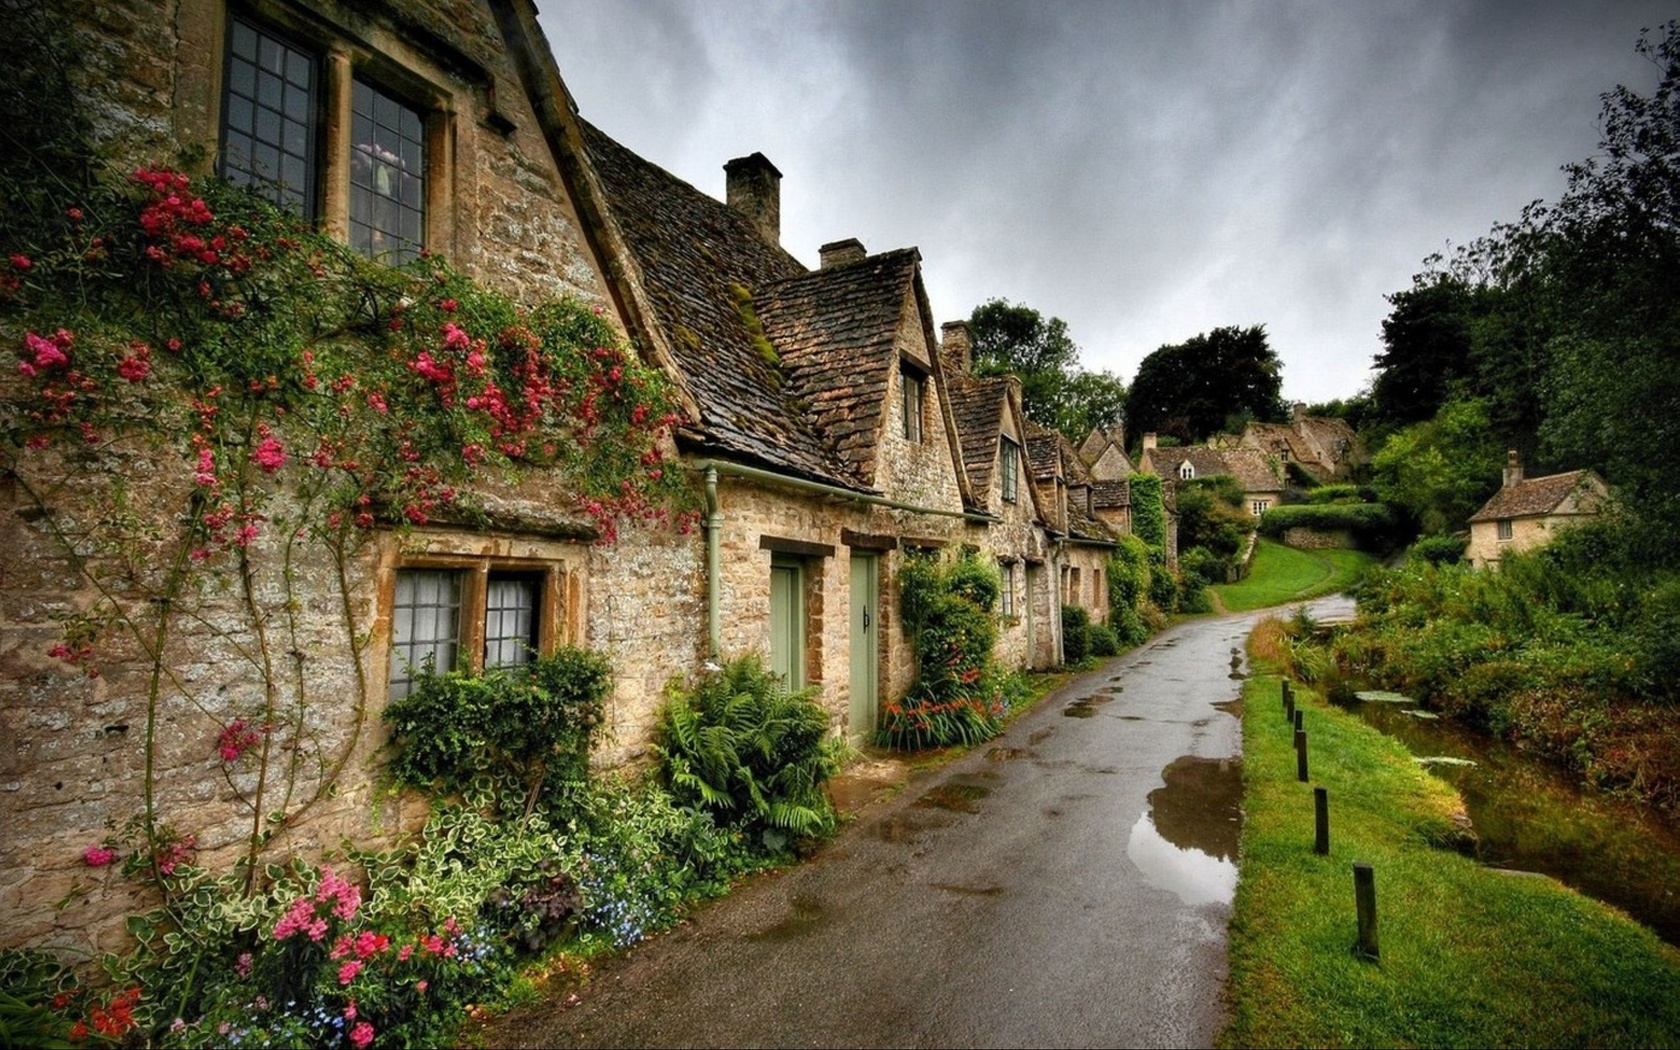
[1571,312]
[1426,348]
[1190,390]
[1009,338]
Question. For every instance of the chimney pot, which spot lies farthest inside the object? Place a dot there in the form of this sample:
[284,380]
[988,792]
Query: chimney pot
[753,187]
[954,347]
[839,253]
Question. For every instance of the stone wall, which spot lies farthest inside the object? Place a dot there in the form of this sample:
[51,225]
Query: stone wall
[73,755]
[1303,538]
[498,207]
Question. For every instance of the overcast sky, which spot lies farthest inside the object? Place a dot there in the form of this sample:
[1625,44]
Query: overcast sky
[1144,171]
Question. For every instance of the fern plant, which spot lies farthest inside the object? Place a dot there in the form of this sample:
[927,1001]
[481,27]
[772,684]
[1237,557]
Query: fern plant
[738,744]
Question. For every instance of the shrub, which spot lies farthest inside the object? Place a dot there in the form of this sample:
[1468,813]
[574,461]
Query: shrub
[528,728]
[1163,590]
[1104,641]
[1439,550]
[1076,624]
[959,697]
[1195,599]
[1201,567]
[1373,525]
[736,743]
[1343,494]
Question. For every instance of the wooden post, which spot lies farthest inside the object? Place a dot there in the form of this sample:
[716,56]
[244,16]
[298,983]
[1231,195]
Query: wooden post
[1301,755]
[1365,897]
[1300,720]
[1321,819]
[1288,703]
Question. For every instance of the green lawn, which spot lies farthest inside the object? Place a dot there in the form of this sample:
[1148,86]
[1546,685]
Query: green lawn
[1470,957]
[1283,574]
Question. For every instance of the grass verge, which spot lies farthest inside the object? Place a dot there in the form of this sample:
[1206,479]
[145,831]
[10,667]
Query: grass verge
[1282,574]
[1470,957]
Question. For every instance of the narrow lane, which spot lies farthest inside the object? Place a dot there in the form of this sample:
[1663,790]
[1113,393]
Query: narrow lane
[1067,885]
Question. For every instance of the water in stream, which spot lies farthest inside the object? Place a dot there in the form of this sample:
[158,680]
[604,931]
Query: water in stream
[1530,817]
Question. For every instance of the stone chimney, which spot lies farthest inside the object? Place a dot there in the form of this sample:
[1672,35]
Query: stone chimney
[839,253]
[1149,441]
[754,188]
[1513,469]
[1297,412]
[955,351]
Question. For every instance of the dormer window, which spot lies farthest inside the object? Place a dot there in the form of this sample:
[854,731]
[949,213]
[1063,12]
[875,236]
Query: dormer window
[1186,471]
[1009,468]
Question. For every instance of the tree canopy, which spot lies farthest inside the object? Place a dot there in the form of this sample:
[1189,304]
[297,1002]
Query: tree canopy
[1564,326]
[1194,389]
[1009,338]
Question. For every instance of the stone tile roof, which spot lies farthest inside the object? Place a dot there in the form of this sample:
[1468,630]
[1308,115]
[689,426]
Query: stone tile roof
[835,330]
[1044,450]
[978,406]
[1252,468]
[1548,495]
[1084,526]
[1109,494]
[1322,445]
[702,263]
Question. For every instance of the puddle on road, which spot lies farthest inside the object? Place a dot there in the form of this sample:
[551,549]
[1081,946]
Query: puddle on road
[1003,754]
[804,915]
[959,794]
[969,891]
[1039,736]
[1086,707]
[1186,841]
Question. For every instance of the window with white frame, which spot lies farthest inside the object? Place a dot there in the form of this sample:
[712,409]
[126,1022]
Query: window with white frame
[465,618]
[1186,471]
[1006,595]
[1259,506]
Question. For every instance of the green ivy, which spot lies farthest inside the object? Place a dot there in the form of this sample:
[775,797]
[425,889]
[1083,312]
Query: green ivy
[1149,514]
[528,728]
[959,695]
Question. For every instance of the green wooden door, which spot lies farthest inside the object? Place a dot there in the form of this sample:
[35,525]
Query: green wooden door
[787,621]
[866,647]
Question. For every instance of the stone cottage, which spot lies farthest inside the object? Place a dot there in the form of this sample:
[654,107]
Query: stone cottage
[399,129]
[826,436]
[1259,474]
[992,428]
[1527,512]
[1324,448]
[832,435]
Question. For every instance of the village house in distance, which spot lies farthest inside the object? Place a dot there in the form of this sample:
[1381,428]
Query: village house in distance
[1527,512]
[833,427]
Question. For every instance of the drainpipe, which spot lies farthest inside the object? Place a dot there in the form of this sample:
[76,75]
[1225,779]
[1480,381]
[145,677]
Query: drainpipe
[714,527]
[714,562]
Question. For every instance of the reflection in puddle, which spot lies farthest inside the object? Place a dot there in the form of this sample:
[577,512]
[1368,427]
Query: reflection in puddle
[1186,841]
[1086,707]
[955,795]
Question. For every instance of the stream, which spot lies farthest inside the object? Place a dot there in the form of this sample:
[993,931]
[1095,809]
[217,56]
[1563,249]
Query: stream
[1531,817]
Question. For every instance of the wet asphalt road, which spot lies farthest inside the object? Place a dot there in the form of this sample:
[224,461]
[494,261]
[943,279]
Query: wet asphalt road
[1067,885]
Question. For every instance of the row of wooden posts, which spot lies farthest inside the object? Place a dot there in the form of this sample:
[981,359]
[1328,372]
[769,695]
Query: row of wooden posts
[1364,878]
